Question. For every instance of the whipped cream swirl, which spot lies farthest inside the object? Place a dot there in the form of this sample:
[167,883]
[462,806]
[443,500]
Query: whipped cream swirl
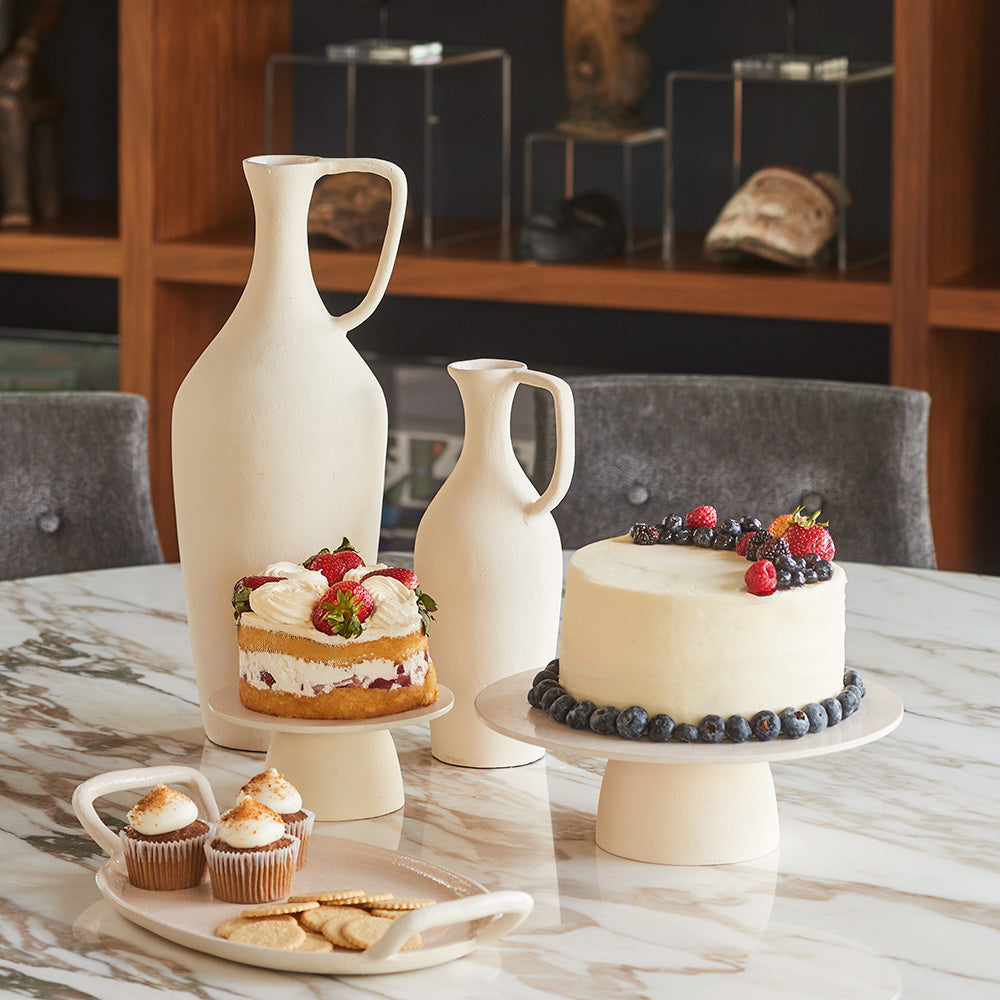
[162,811]
[272,790]
[250,824]
[291,601]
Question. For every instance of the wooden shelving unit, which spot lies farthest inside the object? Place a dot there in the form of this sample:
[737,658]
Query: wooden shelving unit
[179,241]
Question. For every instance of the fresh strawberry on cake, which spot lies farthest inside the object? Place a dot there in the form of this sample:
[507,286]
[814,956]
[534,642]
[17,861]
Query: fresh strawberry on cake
[332,638]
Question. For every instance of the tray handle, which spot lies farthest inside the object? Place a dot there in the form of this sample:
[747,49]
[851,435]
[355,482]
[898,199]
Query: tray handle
[136,777]
[513,908]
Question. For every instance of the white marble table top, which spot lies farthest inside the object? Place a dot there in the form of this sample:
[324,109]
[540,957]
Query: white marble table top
[887,880]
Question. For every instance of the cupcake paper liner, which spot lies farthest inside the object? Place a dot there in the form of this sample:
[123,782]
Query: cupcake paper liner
[165,865]
[302,828]
[252,876]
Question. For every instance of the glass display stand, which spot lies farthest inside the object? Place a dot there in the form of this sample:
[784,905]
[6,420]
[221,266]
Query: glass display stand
[351,57]
[857,73]
[569,140]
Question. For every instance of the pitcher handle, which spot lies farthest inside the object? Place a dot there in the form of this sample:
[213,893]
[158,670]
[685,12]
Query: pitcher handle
[562,474]
[397,210]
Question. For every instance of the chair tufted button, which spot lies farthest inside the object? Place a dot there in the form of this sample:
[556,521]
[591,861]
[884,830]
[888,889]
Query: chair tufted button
[49,522]
[637,495]
[811,501]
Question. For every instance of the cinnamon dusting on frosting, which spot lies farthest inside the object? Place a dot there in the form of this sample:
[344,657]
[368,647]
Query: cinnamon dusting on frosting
[162,810]
[250,824]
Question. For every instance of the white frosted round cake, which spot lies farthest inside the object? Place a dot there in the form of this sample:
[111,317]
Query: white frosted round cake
[674,629]
[365,656]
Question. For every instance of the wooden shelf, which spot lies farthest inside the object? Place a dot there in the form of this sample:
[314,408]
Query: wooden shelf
[83,241]
[190,111]
[970,301]
[476,270]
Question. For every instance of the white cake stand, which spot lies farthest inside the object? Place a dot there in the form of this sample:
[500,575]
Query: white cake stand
[343,768]
[684,803]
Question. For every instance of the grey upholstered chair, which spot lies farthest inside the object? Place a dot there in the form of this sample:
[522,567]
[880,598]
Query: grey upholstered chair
[649,445]
[74,483]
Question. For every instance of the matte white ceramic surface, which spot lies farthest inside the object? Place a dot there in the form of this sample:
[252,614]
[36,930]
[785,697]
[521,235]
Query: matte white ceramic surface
[278,434]
[504,706]
[455,926]
[487,548]
[702,804]
[346,769]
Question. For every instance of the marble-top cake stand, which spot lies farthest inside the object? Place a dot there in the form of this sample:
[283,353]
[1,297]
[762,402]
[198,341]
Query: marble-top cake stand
[345,769]
[684,803]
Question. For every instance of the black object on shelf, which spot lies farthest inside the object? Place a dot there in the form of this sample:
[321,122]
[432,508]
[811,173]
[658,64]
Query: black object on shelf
[586,227]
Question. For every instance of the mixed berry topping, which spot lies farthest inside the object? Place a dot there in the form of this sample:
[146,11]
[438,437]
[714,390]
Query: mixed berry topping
[644,534]
[794,550]
[761,578]
[633,723]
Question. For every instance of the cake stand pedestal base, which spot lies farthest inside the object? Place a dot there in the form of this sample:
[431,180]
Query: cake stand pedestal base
[344,769]
[689,814]
[341,777]
[683,803]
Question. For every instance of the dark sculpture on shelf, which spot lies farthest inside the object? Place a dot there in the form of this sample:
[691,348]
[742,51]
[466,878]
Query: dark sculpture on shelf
[27,117]
[607,70]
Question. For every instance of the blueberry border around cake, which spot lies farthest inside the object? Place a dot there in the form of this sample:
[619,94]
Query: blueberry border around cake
[547,695]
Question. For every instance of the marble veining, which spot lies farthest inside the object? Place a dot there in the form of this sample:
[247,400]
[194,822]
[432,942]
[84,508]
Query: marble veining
[887,880]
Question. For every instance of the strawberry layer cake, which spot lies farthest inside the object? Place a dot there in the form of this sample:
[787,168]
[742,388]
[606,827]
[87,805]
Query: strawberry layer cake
[332,638]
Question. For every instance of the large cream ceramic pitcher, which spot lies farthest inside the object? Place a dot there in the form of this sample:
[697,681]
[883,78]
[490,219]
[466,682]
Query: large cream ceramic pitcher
[280,428]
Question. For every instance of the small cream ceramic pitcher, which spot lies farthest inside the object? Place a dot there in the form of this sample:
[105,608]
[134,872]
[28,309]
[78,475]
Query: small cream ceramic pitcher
[488,551]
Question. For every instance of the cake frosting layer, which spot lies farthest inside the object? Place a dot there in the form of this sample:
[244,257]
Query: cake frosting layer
[673,628]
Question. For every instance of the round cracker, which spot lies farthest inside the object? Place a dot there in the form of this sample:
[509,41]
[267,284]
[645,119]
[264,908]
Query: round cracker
[328,895]
[371,899]
[277,909]
[315,942]
[405,903]
[228,926]
[331,928]
[270,932]
[365,931]
[314,919]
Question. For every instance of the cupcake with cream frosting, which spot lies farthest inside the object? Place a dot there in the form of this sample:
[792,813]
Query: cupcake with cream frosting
[164,841]
[251,858]
[272,790]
